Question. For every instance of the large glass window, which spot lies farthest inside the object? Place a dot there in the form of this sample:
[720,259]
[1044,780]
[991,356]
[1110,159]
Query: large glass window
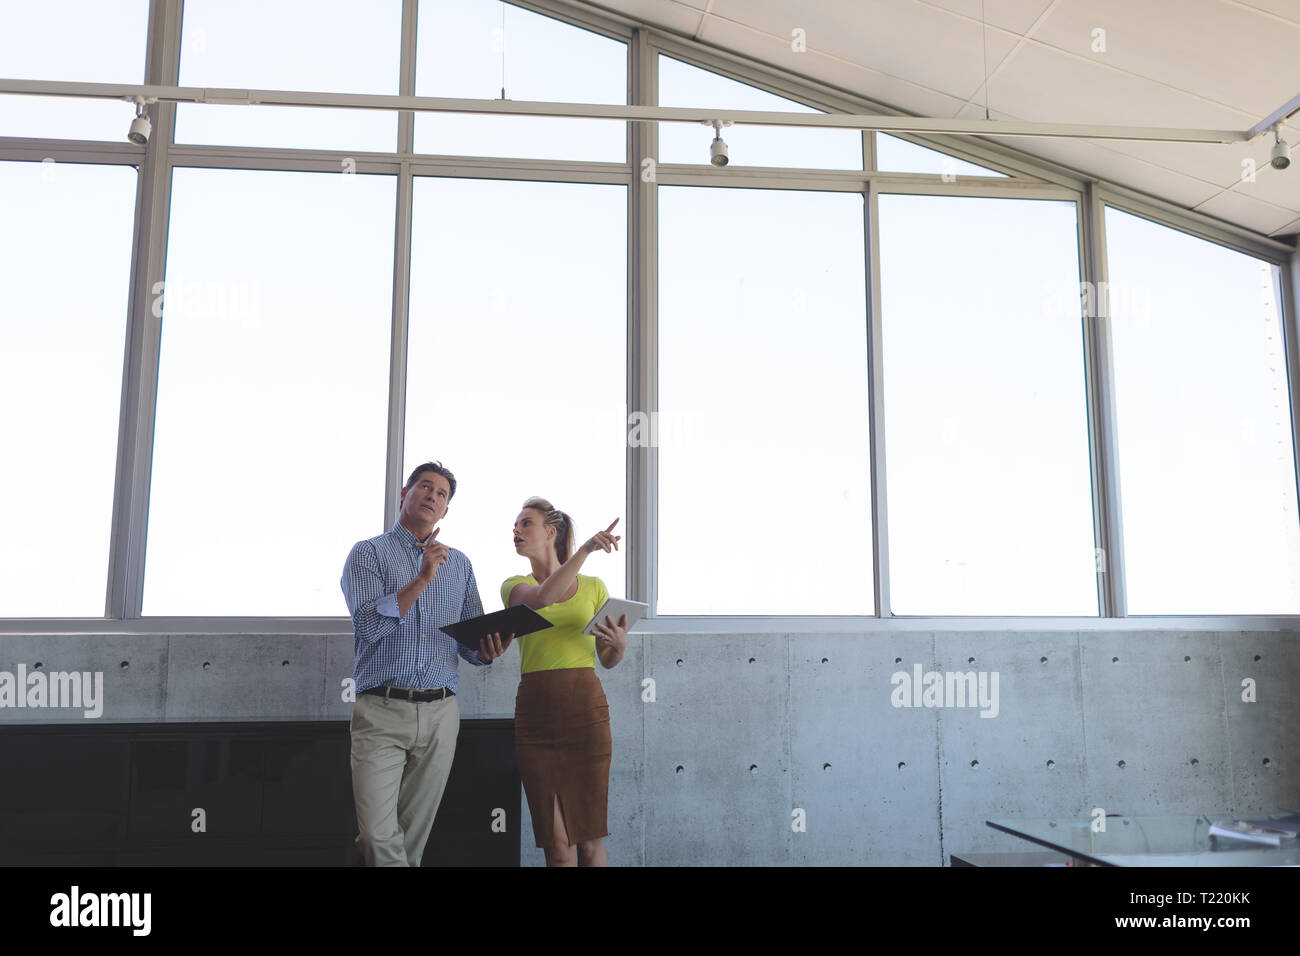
[65,269]
[517,358]
[681,84]
[330,46]
[764,481]
[894,155]
[475,49]
[91,41]
[987,461]
[271,430]
[1207,473]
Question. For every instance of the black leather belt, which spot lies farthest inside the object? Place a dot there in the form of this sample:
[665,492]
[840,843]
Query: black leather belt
[416,696]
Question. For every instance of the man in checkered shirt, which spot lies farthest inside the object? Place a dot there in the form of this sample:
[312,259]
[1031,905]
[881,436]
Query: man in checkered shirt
[401,587]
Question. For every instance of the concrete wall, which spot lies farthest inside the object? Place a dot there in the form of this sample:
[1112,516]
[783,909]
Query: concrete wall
[745,730]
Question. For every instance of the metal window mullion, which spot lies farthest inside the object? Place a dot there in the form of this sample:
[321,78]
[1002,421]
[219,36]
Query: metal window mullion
[876,406]
[914,184]
[642,334]
[291,161]
[32,149]
[1099,384]
[129,529]
[542,172]
[1289,322]
[406,74]
[397,355]
[394,458]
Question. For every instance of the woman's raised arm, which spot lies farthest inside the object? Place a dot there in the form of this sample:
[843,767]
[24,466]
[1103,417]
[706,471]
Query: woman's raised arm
[557,584]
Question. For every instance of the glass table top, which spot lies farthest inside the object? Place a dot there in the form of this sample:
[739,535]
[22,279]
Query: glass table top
[1174,840]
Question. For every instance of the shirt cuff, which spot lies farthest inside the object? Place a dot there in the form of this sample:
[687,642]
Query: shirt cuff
[472,656]
[387,606]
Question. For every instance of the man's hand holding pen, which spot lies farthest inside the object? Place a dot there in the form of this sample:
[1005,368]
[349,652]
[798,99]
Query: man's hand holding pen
[435,553]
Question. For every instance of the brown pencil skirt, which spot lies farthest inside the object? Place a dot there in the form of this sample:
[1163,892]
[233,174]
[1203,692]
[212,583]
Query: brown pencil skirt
[563,748]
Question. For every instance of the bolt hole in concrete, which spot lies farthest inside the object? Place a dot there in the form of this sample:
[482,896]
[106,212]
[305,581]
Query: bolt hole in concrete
[125,664]
[902,765]
[284,663]
[1051,764]
[898,660]
[974,764]
[1042,660]
[970,660]
[206,665]
[680,662]
[1257,657]
[1121,765]
[38,666]
[751,660]
[1114,660]
[1266,761]
[679,769]
[826,767]
[825,660]
[1186,659]
[753,768]
[1195,762]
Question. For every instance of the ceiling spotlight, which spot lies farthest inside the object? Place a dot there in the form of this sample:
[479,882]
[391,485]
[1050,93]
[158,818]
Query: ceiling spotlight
[1281,156]
[140,128]
[718,149]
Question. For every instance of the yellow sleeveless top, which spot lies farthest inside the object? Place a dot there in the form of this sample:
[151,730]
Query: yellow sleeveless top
[562,645]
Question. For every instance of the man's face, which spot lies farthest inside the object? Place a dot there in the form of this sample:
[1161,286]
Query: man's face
[425,502]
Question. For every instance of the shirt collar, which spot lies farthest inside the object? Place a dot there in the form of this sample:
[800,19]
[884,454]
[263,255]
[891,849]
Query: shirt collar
[404,534]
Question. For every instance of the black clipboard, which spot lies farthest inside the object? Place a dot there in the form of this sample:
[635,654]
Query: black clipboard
[518,620]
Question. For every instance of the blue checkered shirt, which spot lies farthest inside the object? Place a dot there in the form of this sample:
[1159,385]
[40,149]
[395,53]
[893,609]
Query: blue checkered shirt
[407,651]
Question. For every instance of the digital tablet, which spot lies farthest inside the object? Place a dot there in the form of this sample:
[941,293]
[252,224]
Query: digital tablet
[615,608]
[518,620]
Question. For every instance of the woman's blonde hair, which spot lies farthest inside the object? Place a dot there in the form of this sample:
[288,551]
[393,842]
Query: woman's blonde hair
[552,517]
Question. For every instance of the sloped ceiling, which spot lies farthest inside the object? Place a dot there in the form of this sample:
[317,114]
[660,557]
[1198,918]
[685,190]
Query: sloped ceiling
[1216,64]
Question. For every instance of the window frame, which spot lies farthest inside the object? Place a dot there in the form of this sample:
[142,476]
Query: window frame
[1030,177]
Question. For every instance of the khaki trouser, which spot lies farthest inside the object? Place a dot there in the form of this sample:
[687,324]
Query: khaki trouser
[401,756]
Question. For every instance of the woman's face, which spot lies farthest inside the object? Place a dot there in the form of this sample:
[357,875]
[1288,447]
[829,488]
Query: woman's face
[532,537]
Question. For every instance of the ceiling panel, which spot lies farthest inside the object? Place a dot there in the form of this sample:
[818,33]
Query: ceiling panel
[1200,50]
[1285,10]
[1095,160]
[1281,187]
[844,74]
[1218,164]
[1014,15]
[1290,229]
[1251,213]
[1045,85]
[913,41]
[1221,64]
[674,16]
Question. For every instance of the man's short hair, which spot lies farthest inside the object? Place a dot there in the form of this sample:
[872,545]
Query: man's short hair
[437,468]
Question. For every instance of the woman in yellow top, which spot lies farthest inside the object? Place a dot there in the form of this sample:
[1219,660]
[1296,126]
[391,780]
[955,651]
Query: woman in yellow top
[562,739]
